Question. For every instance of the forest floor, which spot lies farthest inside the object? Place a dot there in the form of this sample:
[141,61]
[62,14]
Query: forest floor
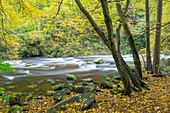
[155,100]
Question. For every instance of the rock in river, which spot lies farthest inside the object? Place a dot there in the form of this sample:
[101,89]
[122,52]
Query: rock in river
[71,77]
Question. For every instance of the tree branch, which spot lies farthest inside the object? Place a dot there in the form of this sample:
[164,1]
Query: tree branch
[92,22]
[59,7]
[150,30]
[108,20]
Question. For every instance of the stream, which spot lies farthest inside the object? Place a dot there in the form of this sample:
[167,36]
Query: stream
[37,70]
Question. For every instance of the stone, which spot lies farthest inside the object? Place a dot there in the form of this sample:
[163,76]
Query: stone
[78,89]
[98,61]
[59,96]
[18,99]
[50,93]
[89,62]
[106,84]
[16,109]
[115,81]
[71,77]
[37,90]
[85,84]
[67,91]
[87,100]
[51,81]
[57,87]
[28,65]
[60,107]
[87,80]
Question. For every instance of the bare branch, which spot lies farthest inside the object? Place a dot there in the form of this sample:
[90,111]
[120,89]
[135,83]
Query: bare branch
[96,28]
[59,7]
[150,30]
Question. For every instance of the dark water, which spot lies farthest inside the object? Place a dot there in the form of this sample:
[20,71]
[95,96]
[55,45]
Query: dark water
[31,71]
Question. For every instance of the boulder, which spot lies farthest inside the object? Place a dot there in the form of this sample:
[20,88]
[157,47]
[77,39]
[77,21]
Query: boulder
[51,81]
[16,109]
[87,101]
[59,96]
[18,99]
[67,91]
[60,106]
[50,93]
[98,61]
[71,77]
[115,81]
[57,87]
[106,84]
[87,80]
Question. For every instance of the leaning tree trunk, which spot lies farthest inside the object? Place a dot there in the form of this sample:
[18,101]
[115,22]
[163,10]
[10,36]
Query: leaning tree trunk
[156,59]
[127,31]
[124,70]
[147,30]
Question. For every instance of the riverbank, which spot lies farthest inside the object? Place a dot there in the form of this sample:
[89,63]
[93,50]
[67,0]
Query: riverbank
[154,100]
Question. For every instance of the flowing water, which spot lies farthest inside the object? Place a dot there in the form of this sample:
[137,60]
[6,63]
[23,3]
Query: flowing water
[31,71]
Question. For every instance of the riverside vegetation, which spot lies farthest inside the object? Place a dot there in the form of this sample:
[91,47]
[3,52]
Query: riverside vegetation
[62,28]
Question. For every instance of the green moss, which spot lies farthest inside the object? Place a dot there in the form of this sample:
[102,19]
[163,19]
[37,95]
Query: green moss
[28,65]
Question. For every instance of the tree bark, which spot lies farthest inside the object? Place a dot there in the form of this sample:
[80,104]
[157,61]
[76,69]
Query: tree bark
[147,30]
[156,60]
[124,70]
[127,31]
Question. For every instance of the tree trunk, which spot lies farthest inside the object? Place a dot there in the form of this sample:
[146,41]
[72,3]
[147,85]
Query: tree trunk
[127,31]
[147,30]
[156,60]
[124,70]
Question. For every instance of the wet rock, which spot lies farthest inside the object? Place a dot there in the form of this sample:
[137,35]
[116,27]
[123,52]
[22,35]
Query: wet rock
[67,91]
[28,65]
[18,99]
[78,89]
[51,81]
[67,85]
[96,88]
[85,84]
[41,81]
[115,81]
[37,90]
[50,93]
[59,96]
[89,62]
[60,105]
[87,101]
[119,85]
[16,109]
[106,84]
[57,87]
[98,61]
[57,80]
[87,80]
[71,77]
[30,96]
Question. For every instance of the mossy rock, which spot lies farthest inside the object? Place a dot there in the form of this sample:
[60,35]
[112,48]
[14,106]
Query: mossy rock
[71,77]
[98,61]
[45,66]
[28,65]
[89,62]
